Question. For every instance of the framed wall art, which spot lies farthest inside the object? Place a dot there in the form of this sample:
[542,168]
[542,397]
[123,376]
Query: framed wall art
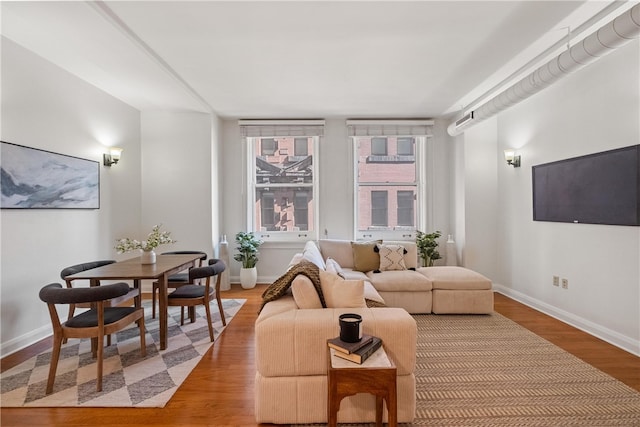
[38,179]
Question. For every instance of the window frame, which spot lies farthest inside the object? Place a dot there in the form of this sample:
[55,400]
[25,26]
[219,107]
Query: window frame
[252,188]
[423,151]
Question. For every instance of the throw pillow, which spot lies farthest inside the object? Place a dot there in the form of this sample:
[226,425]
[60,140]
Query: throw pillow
[392,257]
[304,293]
[340,293]
[365,258]
[334,267]
[312,253]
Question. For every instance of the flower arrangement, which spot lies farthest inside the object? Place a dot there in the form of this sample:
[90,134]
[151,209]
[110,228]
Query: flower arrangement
[154,239]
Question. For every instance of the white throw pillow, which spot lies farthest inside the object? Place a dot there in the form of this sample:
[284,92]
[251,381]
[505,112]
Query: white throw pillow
[312,253]
[340,293]
[391,257]
[334,267]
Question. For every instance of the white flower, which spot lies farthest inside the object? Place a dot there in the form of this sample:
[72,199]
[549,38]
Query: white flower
[154,239]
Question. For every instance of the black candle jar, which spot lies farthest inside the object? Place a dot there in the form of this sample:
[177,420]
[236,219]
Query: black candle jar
[350,327]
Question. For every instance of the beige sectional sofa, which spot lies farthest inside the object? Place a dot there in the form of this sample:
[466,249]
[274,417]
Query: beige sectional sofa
[291,331]
[440,290]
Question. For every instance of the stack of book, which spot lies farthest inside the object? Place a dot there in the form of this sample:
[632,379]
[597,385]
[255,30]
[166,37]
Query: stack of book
[356,352]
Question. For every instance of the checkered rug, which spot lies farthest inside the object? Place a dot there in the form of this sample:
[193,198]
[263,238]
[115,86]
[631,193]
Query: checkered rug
[128,380]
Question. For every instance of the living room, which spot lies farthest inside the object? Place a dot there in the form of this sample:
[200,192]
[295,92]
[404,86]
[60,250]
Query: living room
[183,166]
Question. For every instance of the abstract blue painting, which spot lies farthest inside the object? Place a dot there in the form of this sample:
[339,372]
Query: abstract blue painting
[38,179]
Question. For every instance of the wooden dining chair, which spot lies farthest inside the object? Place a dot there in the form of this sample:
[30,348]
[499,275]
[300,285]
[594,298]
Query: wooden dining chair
[175,280]
[95,323]
[193,294]
[132,294]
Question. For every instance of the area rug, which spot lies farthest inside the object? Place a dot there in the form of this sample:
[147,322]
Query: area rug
[489,371]
[129,380]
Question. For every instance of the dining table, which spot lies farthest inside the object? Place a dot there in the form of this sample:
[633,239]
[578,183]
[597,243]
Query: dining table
[133,269]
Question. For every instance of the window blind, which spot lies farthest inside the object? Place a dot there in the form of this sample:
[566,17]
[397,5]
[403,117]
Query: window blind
[275,128]
[390,127]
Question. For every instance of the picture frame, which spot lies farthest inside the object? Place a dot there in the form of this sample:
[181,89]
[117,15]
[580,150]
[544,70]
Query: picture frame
[32,178]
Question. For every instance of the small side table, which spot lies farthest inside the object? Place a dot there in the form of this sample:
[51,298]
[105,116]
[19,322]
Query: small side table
[377,375]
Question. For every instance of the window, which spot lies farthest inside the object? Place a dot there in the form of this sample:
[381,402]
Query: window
[379,217]
[267,218]
[378,146]
[268,146]
[301,211]
[405,146]
[281,198]
[390,178]
[406,200]
[301,147]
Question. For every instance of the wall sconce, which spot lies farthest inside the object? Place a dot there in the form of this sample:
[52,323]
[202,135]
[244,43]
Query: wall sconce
[511,158]
[112,157]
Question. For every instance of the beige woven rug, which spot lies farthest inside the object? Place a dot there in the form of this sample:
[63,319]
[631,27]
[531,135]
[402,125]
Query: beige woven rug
[489,371]
[129,380]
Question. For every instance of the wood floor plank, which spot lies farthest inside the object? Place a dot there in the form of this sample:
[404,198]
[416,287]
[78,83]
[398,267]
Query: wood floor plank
[219,391]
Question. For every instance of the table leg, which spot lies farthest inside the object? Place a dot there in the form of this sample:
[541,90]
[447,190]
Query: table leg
[379,410]
[392,406]
[138,298]
[162,297]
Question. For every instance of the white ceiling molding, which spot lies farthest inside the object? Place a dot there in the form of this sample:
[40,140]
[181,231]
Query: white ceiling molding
[613,35]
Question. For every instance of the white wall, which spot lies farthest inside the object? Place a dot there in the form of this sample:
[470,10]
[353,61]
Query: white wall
[45,107]
[178,165]
[336,192]
[595,109]
[481,199]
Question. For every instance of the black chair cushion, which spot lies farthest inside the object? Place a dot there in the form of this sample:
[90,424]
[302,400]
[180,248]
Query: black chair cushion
[54,293]
[90,318]
[179,277]
[190,291]
[213,269]
[78,268]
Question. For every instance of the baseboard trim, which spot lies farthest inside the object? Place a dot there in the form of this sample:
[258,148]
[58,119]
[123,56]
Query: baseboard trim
[24,341]
[612,337]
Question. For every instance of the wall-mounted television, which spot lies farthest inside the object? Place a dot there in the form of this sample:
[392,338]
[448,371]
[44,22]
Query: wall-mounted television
[600,188]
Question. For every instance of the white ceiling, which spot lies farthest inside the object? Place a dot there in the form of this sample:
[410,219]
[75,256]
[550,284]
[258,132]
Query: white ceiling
[293,59]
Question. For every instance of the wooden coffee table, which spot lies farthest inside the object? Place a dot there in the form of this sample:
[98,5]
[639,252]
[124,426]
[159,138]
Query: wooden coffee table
[377,375]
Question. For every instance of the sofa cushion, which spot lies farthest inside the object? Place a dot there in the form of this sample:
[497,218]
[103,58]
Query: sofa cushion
[282,284]
[339,250]
[340,293]
[406,280]
[304,293]
[455,278]
[391,257]
[312,253]
[365,257]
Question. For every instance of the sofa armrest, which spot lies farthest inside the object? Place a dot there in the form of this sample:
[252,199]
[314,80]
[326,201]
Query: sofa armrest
[292,342]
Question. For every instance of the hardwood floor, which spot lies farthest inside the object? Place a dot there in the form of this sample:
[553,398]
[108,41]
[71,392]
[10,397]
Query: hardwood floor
[219,391]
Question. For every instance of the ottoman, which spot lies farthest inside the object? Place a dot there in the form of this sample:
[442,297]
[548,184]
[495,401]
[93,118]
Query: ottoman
[459,290]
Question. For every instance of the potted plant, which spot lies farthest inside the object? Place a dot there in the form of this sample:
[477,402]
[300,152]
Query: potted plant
[427,245]
[247,254]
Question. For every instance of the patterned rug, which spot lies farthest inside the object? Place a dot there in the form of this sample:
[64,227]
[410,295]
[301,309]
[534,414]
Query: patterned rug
[128,379]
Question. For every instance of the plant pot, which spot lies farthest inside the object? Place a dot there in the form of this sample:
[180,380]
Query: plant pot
[148,257]
[248,277]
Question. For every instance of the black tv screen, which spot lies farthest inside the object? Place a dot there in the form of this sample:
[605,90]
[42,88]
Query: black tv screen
[601,188]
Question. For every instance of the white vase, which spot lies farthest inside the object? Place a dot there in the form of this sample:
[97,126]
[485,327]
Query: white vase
[248,277]
[148,257]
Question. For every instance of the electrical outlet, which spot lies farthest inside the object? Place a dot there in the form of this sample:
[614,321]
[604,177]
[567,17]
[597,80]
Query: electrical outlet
[565,283]
[556,281]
